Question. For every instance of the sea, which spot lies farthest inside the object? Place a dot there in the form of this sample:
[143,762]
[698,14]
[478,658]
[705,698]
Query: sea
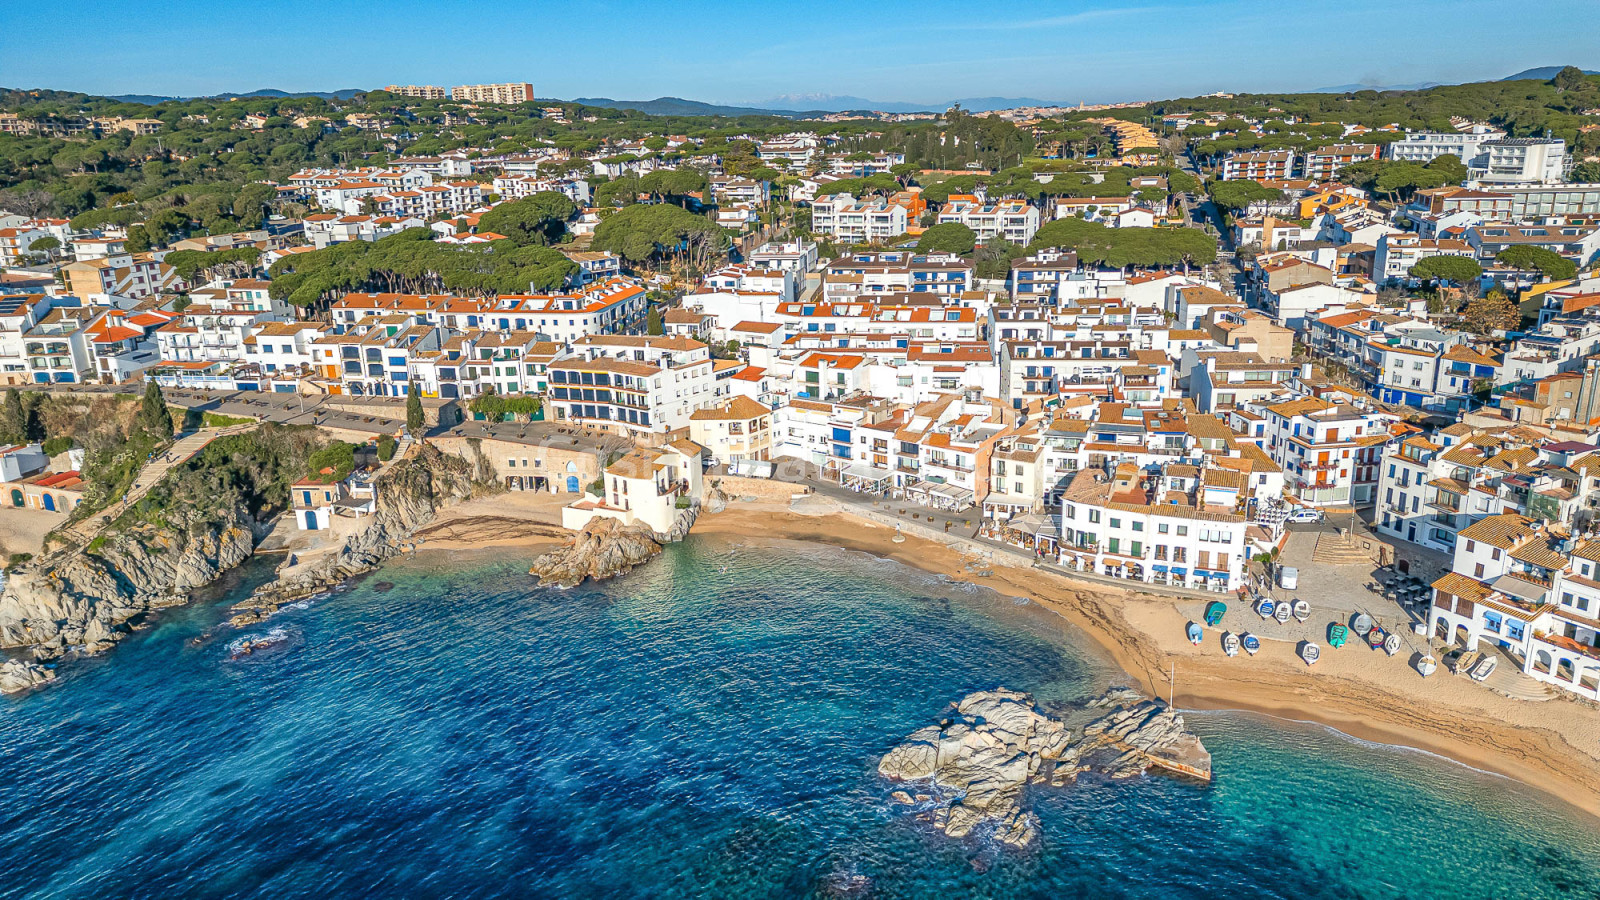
[707,726]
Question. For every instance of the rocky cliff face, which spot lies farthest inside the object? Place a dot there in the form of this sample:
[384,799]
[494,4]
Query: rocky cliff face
[410,494]
[77,599]
[972,769]
[603,549]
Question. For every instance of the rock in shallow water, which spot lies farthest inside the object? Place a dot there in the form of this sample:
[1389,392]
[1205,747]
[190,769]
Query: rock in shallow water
[604,548]
[978,764]
[18,675]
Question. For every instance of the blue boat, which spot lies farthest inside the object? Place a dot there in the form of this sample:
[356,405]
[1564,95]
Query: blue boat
[1195,636]
[1214,611]
[1266,608]
[1251,643]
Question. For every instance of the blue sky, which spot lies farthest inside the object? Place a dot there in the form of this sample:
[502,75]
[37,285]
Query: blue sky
[735,52]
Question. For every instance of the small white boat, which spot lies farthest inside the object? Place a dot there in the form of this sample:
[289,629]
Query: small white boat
[1251,643]
[1282,613]
[1483,669]
[1362,624]
[1266,609]
[1310,652]
[1426,665]
[1391,644]
[1230,644]
[1302,610]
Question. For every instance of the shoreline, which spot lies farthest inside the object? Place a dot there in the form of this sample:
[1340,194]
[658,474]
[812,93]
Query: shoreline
[1358,696]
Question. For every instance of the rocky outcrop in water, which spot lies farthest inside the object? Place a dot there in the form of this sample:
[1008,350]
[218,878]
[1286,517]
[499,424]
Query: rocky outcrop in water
[603,549]
[410,494]
[18,675]
[971,770]
[77,598]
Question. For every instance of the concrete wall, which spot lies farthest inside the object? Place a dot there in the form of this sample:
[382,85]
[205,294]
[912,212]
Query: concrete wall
[737,486]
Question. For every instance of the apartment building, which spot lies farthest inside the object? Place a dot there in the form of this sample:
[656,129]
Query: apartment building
[1397,253]
[1013,220]
[1318,446]
[867,221]
[1577,242]
[1426,146]
[632,385]
[510,92]
[420,91]
[1323,163]
[1520,161]
[798,256]
[128,276]
[322,229]
[734,430]
[1259,165]
[896,271]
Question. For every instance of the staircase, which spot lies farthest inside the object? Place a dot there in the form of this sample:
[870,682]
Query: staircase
[1346,548]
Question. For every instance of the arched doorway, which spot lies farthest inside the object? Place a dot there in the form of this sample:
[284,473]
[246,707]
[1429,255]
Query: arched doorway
[1541,662]
[572,484]
[49,502]
[1441,629]
[1463,636]
[1564,670]
[1404,565]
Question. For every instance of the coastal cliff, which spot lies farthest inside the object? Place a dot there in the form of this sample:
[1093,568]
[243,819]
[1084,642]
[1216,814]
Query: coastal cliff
[603,549]
[80,597]
[410,494]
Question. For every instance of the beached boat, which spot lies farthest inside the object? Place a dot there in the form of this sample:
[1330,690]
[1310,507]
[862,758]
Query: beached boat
[1426,665]
[1337,635]
[1310,652]
[1391,644]
[1483,669]
[1195,635]
[1282,613]
[1230,644]
[1251,643]
[1363,623]
[1302,610]
[1214,611]
[1267,608]
[1376,636]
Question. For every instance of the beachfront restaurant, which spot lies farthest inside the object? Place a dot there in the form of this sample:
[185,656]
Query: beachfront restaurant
[858,476]
[1040,534]
[946,497]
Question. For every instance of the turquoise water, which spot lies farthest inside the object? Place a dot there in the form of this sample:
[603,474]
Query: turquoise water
[709,726]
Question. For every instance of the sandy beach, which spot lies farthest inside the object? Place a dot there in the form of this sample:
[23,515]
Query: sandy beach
[1552,746]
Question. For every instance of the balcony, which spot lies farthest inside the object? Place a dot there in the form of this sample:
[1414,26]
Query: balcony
[1565,643]
[1321,466]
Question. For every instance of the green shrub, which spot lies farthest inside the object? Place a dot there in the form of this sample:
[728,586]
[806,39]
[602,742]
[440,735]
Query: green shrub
[57,445]
[338,459]
[386,446]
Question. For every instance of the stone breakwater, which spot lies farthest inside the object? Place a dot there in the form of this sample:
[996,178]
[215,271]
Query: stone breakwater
[410,494]
[971,770]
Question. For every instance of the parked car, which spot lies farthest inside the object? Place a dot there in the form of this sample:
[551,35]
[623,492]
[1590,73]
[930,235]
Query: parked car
[1288,578]
[1306,516]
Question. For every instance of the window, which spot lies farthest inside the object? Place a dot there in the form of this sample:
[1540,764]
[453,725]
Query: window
[1094,515]
[1477,571]
[1495,555]
[1138,526]
[1161,528]
[1136,548]
[1471,545]
[1183,531]
[1116,523]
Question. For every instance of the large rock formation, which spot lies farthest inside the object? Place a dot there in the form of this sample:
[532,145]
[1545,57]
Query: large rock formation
[78,597]
[975,767]
[603,549]
[17,676]
[410,494]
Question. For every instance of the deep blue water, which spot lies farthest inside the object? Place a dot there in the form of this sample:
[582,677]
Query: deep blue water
[709,726]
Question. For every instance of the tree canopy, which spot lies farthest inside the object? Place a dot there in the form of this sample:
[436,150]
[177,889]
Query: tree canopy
[540,218]
[1553,265]
[1097,244]
[951,237]
[1238,195]
[1455,269]
[659,231]
[411,262]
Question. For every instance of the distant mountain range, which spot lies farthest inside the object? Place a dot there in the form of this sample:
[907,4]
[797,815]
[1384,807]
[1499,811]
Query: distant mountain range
[153,99]
[804,104]
[1542,73]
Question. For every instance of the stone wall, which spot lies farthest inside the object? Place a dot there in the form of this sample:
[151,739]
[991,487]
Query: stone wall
[736,486]
[527,466]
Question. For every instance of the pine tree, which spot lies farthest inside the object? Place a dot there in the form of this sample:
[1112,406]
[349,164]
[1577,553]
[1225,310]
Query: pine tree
[414,419]
[652,323]
[13,419]
[154,416]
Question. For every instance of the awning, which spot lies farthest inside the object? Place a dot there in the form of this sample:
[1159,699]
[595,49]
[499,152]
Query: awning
[1179,570]
[1159,568]
[866,473]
